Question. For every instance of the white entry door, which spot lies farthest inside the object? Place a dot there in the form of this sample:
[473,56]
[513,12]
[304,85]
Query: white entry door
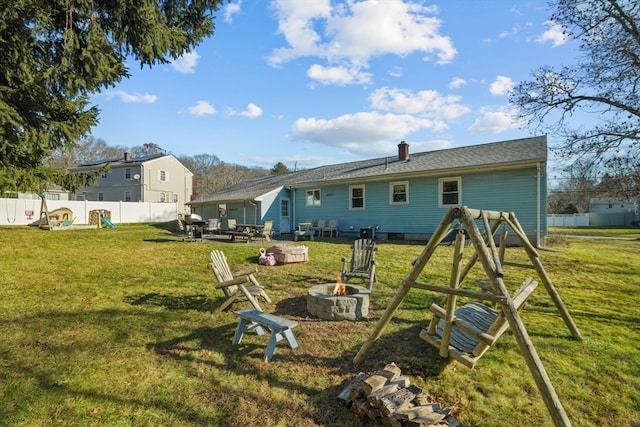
[285,221]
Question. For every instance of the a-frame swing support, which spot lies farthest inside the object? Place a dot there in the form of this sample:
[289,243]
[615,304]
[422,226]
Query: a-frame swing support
[492,261]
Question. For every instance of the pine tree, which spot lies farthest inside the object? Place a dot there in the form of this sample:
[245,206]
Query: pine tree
[54,54]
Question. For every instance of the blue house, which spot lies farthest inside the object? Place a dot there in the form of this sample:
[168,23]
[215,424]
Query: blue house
[403,197]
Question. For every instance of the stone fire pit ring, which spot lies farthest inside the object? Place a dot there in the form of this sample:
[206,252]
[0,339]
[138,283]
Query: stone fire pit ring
[354,305]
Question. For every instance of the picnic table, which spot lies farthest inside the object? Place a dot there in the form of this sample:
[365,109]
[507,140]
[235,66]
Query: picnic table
[246,231]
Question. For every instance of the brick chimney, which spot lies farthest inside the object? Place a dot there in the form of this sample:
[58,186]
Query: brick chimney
[127,156]
[403,151]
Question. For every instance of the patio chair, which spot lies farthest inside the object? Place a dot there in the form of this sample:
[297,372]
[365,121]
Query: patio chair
[238,286]
[213,226]
[319,227]
[331,228]
[362,264]
[267,231]
[227,224]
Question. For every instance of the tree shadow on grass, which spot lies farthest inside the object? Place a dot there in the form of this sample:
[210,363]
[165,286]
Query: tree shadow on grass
[199,302]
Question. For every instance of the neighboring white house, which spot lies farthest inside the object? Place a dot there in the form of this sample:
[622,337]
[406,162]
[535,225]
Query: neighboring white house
[153,178]
[614,211]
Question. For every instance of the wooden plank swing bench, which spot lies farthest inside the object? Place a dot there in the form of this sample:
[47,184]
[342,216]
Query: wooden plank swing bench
[254,320]
[465,333]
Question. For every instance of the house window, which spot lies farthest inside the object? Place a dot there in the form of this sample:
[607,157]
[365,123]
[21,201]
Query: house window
[399,193]
[104,175]
[163,176]
[313,197]
[175,198]
[356,197]
[127,196]
[127,173]
[450,190]
[101,196]
[163,197]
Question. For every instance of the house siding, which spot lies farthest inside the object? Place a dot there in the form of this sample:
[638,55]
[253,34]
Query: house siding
[508,190]
[243,212]
[501,176]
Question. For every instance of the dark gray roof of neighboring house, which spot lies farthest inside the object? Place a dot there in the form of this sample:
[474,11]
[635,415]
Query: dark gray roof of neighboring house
[513,152]
[114,162]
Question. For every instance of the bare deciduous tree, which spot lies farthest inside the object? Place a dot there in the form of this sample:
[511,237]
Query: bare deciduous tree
[602,85]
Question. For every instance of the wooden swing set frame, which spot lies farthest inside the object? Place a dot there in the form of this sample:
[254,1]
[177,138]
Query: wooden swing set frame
[450,324]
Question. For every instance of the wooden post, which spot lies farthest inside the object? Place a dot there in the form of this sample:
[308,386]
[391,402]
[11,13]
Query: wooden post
[503,245]
[451,300]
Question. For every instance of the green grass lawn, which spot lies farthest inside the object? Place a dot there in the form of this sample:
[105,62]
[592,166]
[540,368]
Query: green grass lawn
[117,327]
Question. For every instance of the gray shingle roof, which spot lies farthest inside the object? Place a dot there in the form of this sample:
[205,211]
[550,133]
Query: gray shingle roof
[513,152]
[114,162]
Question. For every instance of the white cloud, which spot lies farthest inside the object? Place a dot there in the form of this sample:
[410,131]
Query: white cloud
[232,9]
[343,36]
[495,121]
[395,72]
[131,97]
[554,34]
[427,103]
[251,112]
[337,75]
[360,129]
[501,86]
[202,108]
[186,64]
[457,83]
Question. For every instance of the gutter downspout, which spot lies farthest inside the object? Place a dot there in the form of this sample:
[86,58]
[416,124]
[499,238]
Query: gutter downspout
[538,217]
[293,207]
[255,211]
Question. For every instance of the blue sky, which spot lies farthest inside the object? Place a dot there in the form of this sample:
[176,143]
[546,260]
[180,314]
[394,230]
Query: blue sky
[312,82]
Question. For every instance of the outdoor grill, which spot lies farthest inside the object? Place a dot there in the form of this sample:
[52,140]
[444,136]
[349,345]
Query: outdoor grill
[193,225]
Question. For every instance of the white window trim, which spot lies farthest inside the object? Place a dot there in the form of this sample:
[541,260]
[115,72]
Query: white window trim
[314,201]
[364,200]
[441,182]
[406,192]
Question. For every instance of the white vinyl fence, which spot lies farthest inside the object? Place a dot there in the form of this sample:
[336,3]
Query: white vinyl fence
[593,219]
[27,211]
[568,220]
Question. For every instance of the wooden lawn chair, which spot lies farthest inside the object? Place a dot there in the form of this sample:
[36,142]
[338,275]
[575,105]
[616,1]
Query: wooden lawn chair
[467,332]
[362,264]
[331,228]
[238,286]
[267,231]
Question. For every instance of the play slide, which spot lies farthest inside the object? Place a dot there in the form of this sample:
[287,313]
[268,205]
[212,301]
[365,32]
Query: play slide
[108,223]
